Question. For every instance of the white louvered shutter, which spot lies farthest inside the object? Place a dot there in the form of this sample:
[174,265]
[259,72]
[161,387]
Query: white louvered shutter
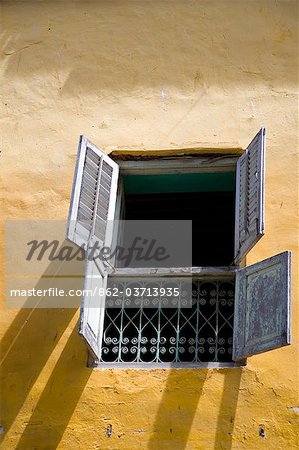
[262,314]
[93,306]
[90,221]
[250,181]
[93,196]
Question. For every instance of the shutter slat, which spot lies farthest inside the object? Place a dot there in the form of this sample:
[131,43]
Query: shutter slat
[253,182]
[106,176]
[91,165]
[83,215]
[105,184]
[107,168]
[90,181]
[103,203]
[104,193]
[85,209]
[102,211]
[92,156]
[87,200]
[88,188]
[84,222]
[91,172]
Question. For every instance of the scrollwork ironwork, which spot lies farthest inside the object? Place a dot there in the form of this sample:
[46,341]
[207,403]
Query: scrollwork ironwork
[161,329]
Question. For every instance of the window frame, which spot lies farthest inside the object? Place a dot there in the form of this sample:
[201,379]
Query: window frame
[129,164]
[177,163]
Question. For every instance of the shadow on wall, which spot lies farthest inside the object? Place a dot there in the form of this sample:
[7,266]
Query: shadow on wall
[146,44]
[179,405]
[25,350]
[58,401]
[29,343]
[228,407]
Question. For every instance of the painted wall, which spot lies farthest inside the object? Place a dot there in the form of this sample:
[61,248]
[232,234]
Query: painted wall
[143,75]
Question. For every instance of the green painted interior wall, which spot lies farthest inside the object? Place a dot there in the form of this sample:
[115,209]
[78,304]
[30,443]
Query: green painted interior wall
[182,182]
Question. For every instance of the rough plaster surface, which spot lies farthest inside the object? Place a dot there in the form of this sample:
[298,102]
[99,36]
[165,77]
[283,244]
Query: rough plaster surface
[143,75]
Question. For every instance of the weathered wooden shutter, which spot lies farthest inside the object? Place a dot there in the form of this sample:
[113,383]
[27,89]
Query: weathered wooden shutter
[93,196]
[262,306]
[249,216]
[93,306]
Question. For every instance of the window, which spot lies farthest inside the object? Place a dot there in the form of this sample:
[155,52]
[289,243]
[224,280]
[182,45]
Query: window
[236,312]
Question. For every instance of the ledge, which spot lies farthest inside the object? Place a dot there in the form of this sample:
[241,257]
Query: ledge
[159,366]
[197,272]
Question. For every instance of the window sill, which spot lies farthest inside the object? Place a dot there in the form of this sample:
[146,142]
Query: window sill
[158,366]
[172,271]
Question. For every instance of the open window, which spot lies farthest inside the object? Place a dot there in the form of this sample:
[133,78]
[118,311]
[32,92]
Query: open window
[205,198]
[236,312]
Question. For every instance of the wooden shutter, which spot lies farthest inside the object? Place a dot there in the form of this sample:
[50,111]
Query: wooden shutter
[93,306]
[93,196]
[249,215]
[262,306]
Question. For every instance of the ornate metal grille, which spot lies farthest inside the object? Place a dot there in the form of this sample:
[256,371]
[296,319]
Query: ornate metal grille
[200,333]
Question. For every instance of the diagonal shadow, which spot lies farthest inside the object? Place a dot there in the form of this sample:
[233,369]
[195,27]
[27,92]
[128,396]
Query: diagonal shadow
[227,410]
[177,409]
[59,398]
[29,342]
[182,392]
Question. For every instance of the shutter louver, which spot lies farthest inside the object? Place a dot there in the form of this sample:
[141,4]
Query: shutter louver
[103,200]
[249,221]
[88,192]
[93,195]
[262,306]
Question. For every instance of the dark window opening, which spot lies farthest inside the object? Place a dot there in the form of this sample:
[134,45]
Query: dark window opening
[171,197]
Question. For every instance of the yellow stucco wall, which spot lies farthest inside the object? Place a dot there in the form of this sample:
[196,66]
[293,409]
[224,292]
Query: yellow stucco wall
[143,75]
